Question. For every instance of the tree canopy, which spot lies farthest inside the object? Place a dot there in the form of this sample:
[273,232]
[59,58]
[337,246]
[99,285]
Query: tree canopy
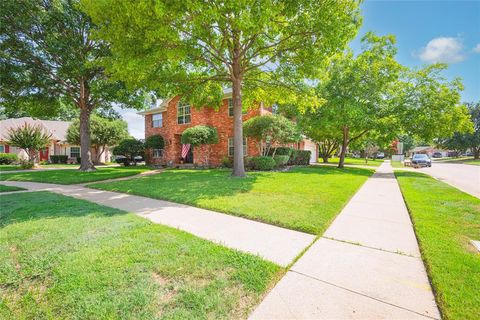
[103,133]
[264,50]
[200,135]
[49,63]
[270,130]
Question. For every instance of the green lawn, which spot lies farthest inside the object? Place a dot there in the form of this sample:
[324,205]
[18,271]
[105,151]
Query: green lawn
[356,161]
[305,199]
[73,176]
[4,188]
[465,160]
[63,258]
[445,219]
[9,167]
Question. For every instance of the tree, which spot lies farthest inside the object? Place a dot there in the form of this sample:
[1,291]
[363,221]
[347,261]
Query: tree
[30,138]
[459,141]
[196,48]
[129,148]
[270,131]
[103,133]
[154,142]
[355,90]
[202,136]
[49,62]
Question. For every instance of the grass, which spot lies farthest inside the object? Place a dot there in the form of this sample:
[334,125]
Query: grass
[9,167]
[4,188]
[397,164]
[357,161]
[445,219]
[64,258]
[465,160]
[73,176]
[305,199]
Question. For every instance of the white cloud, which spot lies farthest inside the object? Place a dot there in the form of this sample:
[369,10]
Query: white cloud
[443,49]
[136,124]
[477,48]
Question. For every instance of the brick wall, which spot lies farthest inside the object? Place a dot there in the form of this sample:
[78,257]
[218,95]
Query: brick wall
[171,132]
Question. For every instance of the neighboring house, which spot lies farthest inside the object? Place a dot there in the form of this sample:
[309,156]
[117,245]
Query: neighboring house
[58,144]
[172,117]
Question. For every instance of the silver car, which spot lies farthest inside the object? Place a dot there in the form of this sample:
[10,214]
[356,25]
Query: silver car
[421,160]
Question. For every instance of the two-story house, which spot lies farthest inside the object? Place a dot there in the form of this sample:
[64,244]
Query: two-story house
[173,116]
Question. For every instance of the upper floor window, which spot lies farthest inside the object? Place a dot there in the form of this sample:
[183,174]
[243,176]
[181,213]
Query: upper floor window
[183,113]
[74,152]
[157,120]
[231,147]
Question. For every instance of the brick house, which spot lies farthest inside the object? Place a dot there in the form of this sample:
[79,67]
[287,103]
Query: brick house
[172,117]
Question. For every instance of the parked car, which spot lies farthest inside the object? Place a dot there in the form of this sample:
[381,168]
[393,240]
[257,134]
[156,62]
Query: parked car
[421,160]
[380,155]
[437,155]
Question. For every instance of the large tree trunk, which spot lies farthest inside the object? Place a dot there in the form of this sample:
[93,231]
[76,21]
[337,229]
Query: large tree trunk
[344,147]
[237,77]
[86,163]
[476,153]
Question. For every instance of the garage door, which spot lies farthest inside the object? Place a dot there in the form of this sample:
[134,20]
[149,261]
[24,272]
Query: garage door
[312,147]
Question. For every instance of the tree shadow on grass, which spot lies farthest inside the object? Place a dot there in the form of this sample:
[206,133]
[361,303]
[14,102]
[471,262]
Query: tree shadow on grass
[16,208]
[409,174]
[326,170]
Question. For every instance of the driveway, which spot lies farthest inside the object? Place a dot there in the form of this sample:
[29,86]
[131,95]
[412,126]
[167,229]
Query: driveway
[465,177]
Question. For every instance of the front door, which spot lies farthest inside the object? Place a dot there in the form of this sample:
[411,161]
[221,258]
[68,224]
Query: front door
[189,157]
[44,154]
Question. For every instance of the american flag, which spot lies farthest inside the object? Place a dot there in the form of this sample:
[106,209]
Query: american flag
[185,149]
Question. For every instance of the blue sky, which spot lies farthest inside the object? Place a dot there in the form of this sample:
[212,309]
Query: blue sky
[429,31]
[426,31]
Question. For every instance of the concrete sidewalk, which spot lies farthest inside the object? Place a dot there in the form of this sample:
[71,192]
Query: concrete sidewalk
[273,243]
[366,266]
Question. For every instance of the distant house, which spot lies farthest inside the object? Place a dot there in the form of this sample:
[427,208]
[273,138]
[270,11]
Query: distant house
[58,144]
[429,151]
[173,116]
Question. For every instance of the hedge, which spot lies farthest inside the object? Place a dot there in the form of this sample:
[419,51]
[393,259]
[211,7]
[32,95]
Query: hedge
[8,158]
[59,159]
[281,160]
[281,151]
[300,157]
[261,163]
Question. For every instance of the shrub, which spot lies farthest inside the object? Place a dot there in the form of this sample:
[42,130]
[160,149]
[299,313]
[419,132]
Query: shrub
[31,138]
[282,151]
[8,158]
[227,162]
[59,159]
[281,161]
[26,164]
[300,157]
[262,163]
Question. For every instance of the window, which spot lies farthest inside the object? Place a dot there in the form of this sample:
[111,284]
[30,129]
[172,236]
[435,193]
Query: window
[231,147]
[157,120]
[230,108]
[74,152]
[183,113]
[157,153]
[2,148]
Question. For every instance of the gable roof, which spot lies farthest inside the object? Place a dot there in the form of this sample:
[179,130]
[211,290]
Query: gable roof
[58,129]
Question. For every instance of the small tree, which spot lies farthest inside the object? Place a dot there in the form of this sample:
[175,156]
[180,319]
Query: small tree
[270,131]
[202,136]
[326,148]
[130,148]
[103,133]
[30,138]
[154,142]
